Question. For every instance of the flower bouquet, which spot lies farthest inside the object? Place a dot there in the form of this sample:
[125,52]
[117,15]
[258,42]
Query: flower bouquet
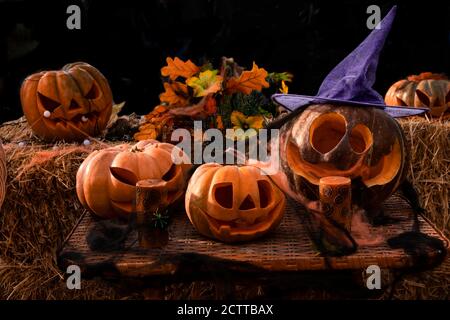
[228,97]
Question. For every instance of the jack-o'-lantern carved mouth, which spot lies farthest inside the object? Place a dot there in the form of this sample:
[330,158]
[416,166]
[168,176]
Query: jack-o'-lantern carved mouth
[89,118]
[240,226]
[330,139]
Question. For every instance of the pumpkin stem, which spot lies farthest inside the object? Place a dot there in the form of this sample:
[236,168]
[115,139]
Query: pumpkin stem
[427,76]
[136,149]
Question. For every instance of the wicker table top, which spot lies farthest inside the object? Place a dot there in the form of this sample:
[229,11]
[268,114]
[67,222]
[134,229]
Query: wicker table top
[288,248]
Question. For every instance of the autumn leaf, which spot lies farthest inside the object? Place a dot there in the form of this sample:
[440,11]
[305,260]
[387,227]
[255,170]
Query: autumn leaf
[175,95]
[115,114]
[206,83]
[284,88]
[206,106]
[160,109]
[147,131]
[248,81]
[178,68]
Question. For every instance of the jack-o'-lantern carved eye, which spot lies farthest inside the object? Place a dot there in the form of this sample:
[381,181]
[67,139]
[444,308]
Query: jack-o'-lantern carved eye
[93,93]
[360,138]
[170,174]
[326,131]
[223,194]
[423,97]
[400,102]
[265,193]
[124,176]
[47,103]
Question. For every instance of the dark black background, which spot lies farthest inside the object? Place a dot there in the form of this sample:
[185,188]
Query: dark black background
[129,40]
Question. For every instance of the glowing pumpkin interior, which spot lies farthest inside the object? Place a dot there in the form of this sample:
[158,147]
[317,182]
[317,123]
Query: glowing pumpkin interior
[327,134]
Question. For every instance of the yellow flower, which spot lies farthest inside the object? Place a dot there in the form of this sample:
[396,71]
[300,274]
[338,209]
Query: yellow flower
[284,88]
[206,83]
[245,126]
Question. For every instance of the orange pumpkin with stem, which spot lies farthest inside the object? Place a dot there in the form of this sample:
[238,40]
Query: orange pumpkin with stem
[106,180]
[233,203]
[424,90]
[69,104]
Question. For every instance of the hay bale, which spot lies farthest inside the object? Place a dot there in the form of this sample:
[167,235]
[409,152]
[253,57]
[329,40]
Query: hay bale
[40,209]
[429,168]
[16,131]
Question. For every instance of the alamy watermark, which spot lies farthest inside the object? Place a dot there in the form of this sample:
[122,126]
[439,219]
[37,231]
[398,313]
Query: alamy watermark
[373,21]
[212,145]
[74,279]
[74,19]
[373,281]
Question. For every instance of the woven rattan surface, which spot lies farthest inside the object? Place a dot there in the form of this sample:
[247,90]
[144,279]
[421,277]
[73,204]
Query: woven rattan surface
[288,248]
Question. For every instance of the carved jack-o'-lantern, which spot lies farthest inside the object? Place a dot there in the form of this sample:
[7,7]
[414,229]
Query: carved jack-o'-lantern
[69,104]
[106,180]
[363,144]
[231,203]
[424,90]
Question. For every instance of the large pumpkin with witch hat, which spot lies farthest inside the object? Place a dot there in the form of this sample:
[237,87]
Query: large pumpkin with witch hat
[363,144]
[346,130]
[73,103]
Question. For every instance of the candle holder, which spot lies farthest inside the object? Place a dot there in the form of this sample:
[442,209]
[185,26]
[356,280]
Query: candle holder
[151,195]
[335,199]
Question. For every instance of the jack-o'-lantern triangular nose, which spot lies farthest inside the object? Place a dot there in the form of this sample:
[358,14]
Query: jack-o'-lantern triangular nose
[74,105]
[247,204]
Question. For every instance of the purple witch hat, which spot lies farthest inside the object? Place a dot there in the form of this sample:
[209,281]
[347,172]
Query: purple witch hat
[351,81]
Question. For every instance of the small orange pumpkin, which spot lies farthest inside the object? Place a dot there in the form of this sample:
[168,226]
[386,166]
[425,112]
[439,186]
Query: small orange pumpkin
[424,90]
[69,104]
[106,180]
[231,203]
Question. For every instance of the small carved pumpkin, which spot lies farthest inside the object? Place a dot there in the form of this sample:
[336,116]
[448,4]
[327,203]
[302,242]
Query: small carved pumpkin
[106,180]
[362,143]
[3,175]
[231,203]
[69,104]
[424,90]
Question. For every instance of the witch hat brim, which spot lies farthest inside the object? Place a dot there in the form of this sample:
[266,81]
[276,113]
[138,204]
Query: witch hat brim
[294,102]
[351,81]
